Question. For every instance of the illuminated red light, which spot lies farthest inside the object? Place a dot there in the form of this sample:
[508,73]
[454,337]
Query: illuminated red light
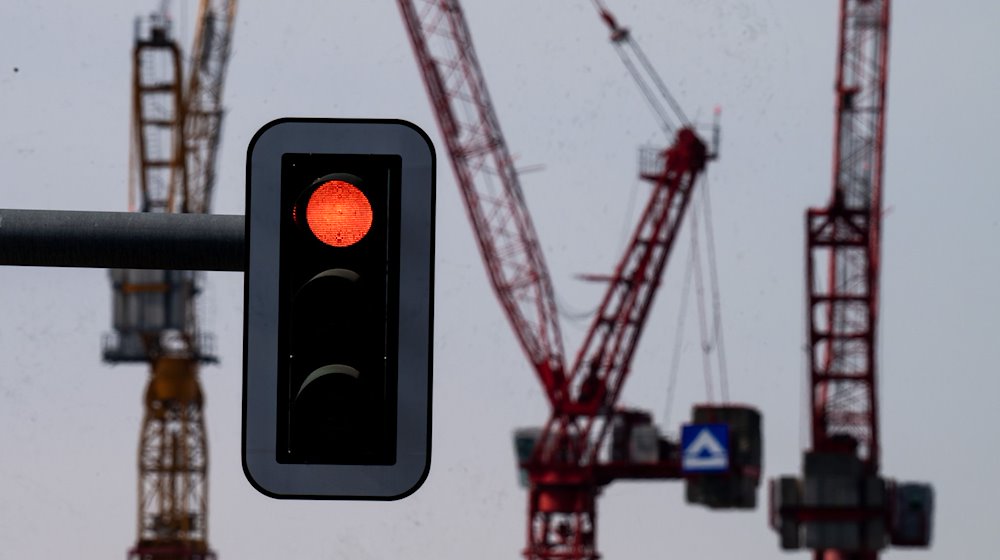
[338,213]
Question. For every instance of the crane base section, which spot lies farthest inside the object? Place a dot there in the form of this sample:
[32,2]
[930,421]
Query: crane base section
[839,506]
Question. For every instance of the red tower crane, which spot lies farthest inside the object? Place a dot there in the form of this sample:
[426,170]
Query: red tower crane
[588,441]
[842,508]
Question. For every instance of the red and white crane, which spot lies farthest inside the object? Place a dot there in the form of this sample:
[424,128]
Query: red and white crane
[588,441]
[842,508]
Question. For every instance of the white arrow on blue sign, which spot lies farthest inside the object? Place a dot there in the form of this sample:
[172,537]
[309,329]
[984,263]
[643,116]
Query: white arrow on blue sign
[704,448]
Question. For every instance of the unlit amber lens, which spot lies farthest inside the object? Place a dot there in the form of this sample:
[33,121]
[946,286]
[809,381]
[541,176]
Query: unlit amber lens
[338,214]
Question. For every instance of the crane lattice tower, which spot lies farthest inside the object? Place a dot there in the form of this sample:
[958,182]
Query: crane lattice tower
[175,135]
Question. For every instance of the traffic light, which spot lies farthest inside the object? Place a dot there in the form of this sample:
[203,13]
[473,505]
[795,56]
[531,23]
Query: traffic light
[338,309]
[339,251]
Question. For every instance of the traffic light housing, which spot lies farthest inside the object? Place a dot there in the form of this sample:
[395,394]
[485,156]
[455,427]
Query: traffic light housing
[338,295]
[338,283]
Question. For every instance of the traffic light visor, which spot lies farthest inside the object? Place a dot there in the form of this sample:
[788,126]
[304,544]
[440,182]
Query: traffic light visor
[338,213]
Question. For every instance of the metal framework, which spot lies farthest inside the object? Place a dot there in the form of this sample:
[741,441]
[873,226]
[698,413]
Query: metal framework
[843,243]
[489,183]
[158,174]
[173,466]
[841,507]
[203,99]
[176,129]
[572,459]
[842,263]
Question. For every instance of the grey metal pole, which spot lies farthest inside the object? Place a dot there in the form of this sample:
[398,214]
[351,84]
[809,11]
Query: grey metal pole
[122,240]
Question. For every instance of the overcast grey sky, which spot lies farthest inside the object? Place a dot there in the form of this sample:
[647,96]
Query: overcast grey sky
[70,424]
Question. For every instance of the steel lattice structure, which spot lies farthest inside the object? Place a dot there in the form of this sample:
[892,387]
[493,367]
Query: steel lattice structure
[843,241]
[203,99]
[158,174]
[842,508]
[572,459]
[176,129]
[489,183]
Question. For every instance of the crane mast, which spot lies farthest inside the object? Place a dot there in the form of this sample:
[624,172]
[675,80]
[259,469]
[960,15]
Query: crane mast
[158,173]
[842,508]
[574,455]
[176,126]
[843,243]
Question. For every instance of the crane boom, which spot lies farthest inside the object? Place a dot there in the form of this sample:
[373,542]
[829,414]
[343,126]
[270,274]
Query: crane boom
[488,181]
[203,99]
[157,174]
[604,359]
[572,457]
[602,364]
[646,77]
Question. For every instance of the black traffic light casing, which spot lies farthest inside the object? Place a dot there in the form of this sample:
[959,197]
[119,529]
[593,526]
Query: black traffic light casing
[337,358]
[338,314]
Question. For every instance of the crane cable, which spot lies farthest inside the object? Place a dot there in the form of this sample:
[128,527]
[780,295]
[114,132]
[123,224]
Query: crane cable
[675,361]
[621,35]
[706,342]
[716,293]
[711,338]
[665,123]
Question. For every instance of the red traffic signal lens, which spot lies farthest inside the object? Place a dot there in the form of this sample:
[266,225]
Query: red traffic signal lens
[338,213]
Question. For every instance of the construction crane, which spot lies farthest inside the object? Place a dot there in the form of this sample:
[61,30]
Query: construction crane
[588,441]
[175,135]
[841,507]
